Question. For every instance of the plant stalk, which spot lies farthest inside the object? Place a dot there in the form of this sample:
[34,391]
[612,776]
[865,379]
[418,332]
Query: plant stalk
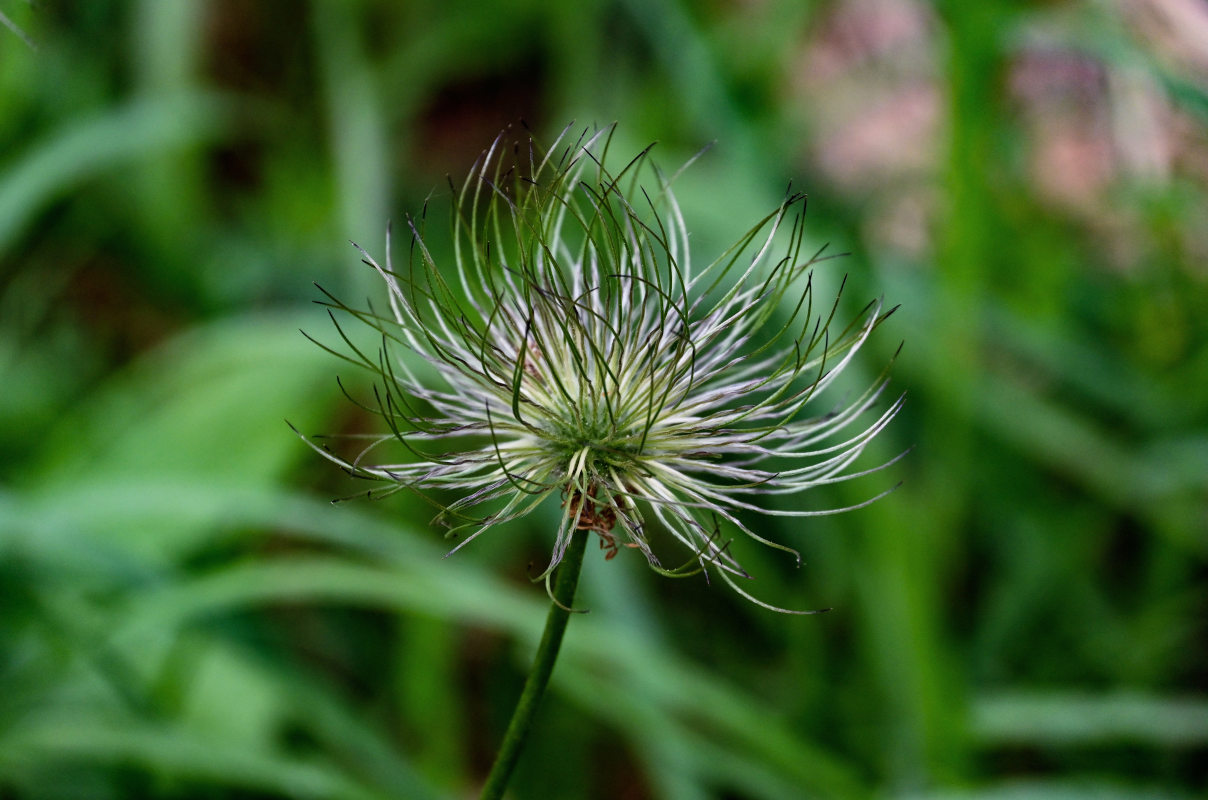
[565,582]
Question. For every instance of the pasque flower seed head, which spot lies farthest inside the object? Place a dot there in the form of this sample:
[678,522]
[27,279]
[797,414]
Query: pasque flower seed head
[577,355]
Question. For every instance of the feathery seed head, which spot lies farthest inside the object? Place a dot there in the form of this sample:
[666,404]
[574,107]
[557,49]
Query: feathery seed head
[581,355]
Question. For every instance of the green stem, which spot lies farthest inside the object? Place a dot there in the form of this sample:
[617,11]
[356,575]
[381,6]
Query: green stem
[543,666]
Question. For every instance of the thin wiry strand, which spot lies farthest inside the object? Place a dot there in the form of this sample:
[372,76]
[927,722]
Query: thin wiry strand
[571,352]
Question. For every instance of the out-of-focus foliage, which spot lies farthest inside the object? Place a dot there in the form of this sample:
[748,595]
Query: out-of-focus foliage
[183,614]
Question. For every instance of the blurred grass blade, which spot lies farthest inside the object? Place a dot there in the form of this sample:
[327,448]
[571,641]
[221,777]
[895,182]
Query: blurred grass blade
[171,752]
[85,148]
[466,596]
[1073,788]
[1071,719]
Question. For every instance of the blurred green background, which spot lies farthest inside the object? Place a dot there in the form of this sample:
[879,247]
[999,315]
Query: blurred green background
[183,614]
